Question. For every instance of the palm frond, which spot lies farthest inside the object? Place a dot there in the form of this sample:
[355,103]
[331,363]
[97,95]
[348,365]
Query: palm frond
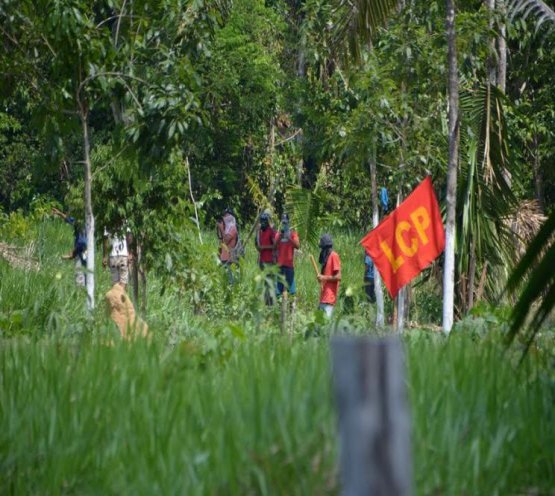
[485,193]
[525,224]
[258,197]
[523,8]
[307,213]
[359,21]
[537,266]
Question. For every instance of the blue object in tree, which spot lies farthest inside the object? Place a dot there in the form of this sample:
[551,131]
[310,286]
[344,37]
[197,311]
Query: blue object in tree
[384,199]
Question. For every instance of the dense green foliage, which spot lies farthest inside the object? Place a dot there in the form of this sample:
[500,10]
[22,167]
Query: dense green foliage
[262,98]
[190,106]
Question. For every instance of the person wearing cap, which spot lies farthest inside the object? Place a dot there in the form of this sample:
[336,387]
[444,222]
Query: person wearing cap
[79,252]
[286,241]
[330,275]
[264,240]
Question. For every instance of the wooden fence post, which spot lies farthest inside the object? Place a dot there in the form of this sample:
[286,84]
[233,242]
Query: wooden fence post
[374,420]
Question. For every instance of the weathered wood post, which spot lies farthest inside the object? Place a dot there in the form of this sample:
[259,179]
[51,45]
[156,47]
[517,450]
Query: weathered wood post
[374,421]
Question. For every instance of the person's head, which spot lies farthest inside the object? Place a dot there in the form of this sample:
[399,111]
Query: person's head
[326,241]
[229,221]
[285,222]
[264,221]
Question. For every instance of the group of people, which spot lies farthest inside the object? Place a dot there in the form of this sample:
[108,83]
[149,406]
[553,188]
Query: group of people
[115,252]
[276,247]
[117,256]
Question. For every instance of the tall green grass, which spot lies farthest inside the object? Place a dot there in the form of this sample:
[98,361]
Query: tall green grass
[143,419]
[218,402]
[81,417]
[482,424]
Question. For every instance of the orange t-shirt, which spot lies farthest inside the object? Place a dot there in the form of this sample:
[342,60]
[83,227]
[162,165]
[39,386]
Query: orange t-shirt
[285,249]
[328,294]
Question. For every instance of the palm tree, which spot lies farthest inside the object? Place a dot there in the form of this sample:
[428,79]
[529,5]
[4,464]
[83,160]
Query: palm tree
[537,268]
[537,264]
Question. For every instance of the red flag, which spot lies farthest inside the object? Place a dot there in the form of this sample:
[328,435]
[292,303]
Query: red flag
[408,239]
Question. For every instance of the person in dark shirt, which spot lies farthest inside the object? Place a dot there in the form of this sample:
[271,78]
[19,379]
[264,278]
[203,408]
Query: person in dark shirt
[369,286]
[79,252]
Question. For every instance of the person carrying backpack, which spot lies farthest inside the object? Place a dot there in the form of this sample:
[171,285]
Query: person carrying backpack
[228,234]
[79,252]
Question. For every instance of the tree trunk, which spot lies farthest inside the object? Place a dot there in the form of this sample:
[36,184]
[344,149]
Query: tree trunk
[482,282]
[491,68]
[271,152]
[190,181]
[375,221]
[451,196]
[135,276]
[537,171]
[401,304]
[89,217]
[400,301]
[502,48]
[142,275]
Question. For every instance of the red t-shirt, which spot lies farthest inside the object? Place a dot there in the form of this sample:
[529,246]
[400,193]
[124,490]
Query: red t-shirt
[285,249]
[266,238]
[328,294]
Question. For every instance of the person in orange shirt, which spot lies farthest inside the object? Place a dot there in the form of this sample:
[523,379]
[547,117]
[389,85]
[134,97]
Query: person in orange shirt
[330,275]
[286,241]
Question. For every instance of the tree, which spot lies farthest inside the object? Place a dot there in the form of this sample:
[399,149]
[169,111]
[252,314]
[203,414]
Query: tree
[78,55]
[536,268]
[71,68]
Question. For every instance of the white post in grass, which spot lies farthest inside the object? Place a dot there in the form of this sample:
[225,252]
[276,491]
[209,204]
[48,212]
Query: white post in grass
[374,421]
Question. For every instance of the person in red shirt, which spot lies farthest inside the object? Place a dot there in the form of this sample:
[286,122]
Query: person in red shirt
[330,275]
[286,241]
[264,240]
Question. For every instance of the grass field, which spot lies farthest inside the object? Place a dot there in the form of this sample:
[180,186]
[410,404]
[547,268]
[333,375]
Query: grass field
[227,405]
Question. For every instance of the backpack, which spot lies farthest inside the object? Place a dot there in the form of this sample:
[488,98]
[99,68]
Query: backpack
[237,251]
[81,242]
[81,245]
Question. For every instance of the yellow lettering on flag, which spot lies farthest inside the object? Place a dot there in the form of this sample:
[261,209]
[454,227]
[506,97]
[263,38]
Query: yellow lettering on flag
[408,251]
[395,262]
[421,220]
